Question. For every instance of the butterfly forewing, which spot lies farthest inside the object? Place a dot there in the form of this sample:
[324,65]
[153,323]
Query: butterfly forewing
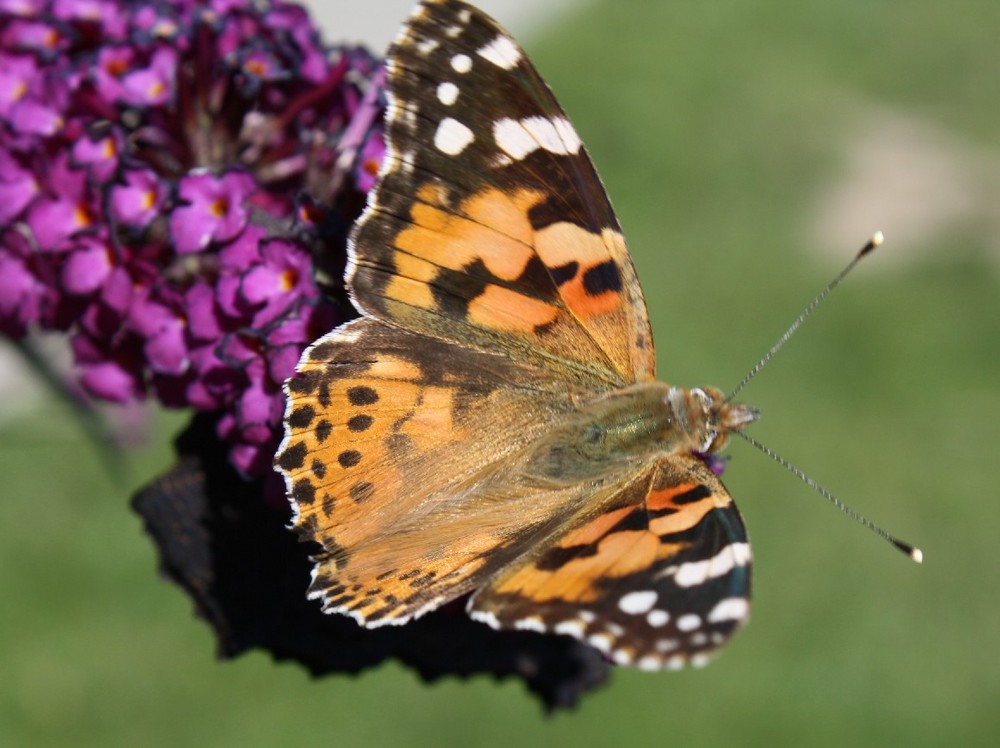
[490,227]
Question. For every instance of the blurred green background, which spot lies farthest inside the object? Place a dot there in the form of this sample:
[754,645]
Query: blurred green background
[750,148]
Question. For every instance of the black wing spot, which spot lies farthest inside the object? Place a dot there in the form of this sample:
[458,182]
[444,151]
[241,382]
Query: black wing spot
[304,383]
[565,273]
[360,422]
[323,352]
[301,417]
[349,458]
[323,430]
[424,580]
[362,491]
[454,289]
[294,457]
[697,493]
[557,557]
[323,394]
[602,278]
[319,468]
[304,492]
[362,396]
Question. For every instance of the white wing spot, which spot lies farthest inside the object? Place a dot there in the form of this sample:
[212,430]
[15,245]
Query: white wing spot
[572,628]
[485,616]
[409,113]
[502,52]
[688,622]
[649,662]
[675,663]
[637,603]
[461,63]
[667,645]
[621,657]
[587,616]
[699,639]
[534,623]
[513,139]
[730,609]
[452,136]
[406,161]
[699,660]
[657,618]
[519,138]
[447,93]
[428,45]
[452,31]
[544,131]
[698,572]
[601,642]
[568,135]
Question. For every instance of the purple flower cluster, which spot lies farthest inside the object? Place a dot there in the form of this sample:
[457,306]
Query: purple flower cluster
[170,175]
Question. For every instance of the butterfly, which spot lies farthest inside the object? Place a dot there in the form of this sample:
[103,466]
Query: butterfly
[491,425]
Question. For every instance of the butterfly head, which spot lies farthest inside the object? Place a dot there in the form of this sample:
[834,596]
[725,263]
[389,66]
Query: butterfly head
[712,418]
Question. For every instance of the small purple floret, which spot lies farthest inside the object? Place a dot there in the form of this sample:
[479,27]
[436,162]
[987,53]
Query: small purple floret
[154,160]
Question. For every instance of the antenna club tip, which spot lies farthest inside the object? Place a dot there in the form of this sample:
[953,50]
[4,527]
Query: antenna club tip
[912,551]
[877,238]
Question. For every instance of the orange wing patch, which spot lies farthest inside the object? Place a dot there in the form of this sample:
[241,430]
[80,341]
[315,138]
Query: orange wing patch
[502,309]
[676,508]
[489,226]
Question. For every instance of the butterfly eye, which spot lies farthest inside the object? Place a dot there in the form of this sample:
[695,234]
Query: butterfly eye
[719,440]
[704,414]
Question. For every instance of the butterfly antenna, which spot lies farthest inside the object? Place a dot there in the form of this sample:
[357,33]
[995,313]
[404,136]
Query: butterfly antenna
[876,240]
[912,551]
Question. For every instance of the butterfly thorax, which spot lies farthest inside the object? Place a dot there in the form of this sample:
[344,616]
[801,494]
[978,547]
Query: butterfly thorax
[632,425]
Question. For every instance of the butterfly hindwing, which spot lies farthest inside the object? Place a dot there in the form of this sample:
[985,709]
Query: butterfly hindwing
[489,227]
[658,579]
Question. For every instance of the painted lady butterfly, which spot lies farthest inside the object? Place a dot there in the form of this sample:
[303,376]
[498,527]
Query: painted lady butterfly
[492,424]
